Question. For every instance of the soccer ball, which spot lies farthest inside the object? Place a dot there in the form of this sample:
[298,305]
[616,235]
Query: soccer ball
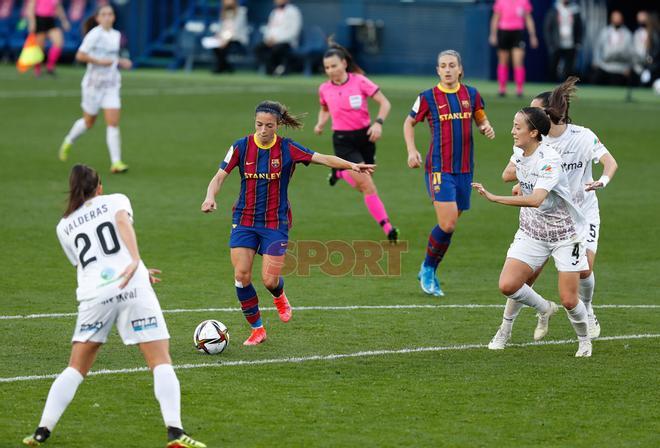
[211,337]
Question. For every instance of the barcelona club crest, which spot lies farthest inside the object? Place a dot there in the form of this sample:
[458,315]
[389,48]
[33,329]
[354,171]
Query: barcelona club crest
[465,104]
[275,163]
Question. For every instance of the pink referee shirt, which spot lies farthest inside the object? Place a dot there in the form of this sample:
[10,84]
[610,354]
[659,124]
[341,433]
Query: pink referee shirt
[347,102]
[512,13]
[45,8]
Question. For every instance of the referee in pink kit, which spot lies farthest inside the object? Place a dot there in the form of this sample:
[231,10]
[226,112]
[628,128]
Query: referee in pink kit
[344,97]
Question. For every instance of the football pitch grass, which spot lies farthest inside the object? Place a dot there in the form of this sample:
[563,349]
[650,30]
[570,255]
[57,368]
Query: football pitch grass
[366,360]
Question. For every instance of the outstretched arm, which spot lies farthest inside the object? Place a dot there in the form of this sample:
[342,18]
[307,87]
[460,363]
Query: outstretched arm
[533,200]
[341,164]
[209,205]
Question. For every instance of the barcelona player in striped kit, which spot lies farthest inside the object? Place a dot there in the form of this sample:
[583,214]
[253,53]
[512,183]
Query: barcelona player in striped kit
[449,107]
[262,216]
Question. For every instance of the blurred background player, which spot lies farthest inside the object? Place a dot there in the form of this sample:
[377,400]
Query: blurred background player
[579,148]
[344,98]
[449,108]
[232,35]
[507,26]
[114,287]
[262,216]
[41,15]
[550,226]
[100,85]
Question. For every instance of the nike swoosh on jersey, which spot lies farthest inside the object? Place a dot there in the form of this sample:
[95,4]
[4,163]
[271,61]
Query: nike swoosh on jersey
[249,163]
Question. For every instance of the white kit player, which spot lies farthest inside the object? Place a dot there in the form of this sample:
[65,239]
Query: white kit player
[579,148]
[114,289]
[100,85]
[550,226]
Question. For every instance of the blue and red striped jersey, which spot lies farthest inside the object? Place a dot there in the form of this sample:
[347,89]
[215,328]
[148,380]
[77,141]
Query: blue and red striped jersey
[265,176]
[450,115]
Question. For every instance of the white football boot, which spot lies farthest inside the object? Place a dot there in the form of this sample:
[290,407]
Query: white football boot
[544,318]
[584,347]
[593,325]
[499,340]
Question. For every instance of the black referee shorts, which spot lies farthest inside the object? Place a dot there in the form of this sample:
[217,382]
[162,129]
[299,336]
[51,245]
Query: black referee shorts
[508,39]
[44,24]
[354,146]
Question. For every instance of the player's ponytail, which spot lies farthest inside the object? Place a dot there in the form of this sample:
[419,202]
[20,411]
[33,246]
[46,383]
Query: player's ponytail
[281,112]
[536,119]
[83,182]
[90,22]
[557,102]
[334,49]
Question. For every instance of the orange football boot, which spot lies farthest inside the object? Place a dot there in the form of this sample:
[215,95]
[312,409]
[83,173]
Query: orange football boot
[257,337]
[283,307]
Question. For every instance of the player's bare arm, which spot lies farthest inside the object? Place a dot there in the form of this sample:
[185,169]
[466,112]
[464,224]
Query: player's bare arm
[414,157]
[341,164]
[509,173]
[127,233]
[376,129]
[533,200]
[609,168]
[209,205]
[324,116]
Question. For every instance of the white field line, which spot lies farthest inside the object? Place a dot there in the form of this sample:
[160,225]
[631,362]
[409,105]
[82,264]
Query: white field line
[320,308]
[331,357]
[144,91]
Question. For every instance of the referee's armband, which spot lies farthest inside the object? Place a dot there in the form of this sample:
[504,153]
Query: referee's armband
[480,116]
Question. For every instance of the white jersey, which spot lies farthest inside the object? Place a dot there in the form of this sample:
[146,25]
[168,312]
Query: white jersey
[91,241]
[579,147]
[557,218]
[101,44]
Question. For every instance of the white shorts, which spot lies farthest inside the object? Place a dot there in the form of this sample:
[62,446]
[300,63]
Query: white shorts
[95,98]
[569,255]
[593,230]
[135,310]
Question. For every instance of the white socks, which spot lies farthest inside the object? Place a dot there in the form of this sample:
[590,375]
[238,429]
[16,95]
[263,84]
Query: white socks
[511,311]
[114,144]
[61,393]
[78,129]
[168,394]
[586,291]
[527,296]
[578,318]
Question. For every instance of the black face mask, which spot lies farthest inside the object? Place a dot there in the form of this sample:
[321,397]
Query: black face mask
[616,27]
[282,6]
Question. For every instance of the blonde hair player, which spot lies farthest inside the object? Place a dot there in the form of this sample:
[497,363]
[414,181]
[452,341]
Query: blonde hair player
[450,107]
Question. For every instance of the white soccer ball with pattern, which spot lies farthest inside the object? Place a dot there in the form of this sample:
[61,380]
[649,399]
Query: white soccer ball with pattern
[211,337]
